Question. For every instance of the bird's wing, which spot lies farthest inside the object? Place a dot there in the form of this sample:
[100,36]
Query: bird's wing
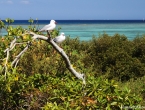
[56,39]
[45,27]
[59,39]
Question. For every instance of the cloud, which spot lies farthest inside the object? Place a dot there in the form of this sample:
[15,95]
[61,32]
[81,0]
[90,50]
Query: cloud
[9,2]
[25,2]
[6,2]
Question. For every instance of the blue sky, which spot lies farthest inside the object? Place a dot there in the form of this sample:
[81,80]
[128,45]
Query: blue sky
[72,9]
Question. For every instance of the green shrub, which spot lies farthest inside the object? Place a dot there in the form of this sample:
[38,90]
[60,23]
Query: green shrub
[41,80]
[38,91]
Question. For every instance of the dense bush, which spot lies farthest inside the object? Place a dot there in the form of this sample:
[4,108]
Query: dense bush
[116,57]
[112,56]
[43,91]
[41,80]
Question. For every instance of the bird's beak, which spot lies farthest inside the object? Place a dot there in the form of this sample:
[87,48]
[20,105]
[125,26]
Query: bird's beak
[55,22]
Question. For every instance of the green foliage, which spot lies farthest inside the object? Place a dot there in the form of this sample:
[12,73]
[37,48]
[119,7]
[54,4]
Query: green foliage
[41,80]
[55,32]
[17,31]
[114,57]
[32,26]
[51,92]
[137,86]
[31,21]
[2,24]
[9,21]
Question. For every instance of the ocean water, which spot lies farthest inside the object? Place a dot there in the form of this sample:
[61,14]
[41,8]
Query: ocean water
[85,29]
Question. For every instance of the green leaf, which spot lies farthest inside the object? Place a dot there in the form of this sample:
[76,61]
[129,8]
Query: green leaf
[114,103]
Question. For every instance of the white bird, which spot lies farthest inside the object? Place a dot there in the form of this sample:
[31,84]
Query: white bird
[59,39]
[49,27]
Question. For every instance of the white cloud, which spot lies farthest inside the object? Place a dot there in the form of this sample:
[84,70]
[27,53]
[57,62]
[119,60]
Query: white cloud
[9,2]
[6,2]
[25,2]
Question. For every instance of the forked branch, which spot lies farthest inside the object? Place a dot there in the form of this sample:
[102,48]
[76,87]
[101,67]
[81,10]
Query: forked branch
[53,44]
[61,52]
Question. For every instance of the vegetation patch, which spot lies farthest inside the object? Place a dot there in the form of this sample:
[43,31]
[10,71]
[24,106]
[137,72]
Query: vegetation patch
[113,65]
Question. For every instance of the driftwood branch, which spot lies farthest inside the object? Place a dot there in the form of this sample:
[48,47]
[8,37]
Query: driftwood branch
[8,53]
[16,60]
[52,43]
[61,52]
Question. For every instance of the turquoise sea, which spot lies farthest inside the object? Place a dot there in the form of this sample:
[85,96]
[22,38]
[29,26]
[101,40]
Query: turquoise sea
[85,29]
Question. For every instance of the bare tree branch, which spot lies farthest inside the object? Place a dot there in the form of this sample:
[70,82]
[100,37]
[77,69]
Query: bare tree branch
[20,54]
[8,53]
[11,45]
[14,46]
[6,62]
[52,43]
[62,53]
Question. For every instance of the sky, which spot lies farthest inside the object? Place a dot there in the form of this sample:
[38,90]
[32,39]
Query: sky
[72,9]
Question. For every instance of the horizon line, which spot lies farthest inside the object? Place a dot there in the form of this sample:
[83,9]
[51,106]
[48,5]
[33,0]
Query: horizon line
[78,19]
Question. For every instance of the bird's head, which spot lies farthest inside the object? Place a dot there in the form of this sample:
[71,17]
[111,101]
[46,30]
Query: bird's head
[62,34]
[53,22]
